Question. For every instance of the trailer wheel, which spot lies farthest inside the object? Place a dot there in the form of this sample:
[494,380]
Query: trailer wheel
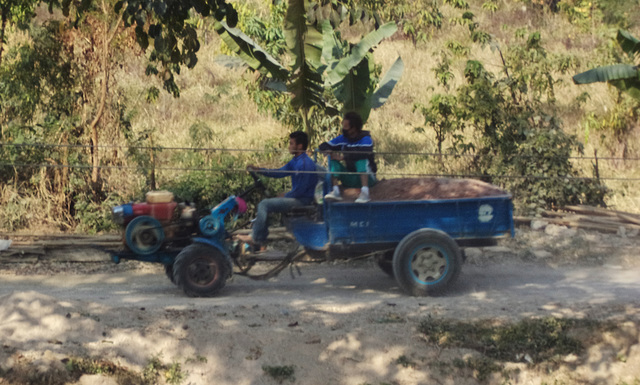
[168,270]
[426,262]
[200,270]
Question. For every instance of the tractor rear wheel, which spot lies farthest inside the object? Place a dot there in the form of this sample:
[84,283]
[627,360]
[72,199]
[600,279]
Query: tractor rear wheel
[201,270]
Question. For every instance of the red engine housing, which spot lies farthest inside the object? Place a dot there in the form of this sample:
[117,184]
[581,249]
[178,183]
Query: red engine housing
[160,211]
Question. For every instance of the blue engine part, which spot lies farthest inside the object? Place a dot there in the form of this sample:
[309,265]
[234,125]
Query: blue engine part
[122,213]
[212,226]
[144,235]
[209,226]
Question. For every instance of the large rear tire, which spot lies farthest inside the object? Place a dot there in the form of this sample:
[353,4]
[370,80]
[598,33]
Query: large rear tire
[426,262]
[201,270]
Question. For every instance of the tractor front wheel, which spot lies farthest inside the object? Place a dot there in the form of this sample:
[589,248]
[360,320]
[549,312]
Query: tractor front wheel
[201,270]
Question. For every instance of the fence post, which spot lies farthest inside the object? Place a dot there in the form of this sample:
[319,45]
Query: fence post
[152,177]
[596,167]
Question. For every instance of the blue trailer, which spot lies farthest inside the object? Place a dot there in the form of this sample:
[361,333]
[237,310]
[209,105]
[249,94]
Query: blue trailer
[418,241]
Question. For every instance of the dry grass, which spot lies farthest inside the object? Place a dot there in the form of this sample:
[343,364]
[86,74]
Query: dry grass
[211,95]
[215,96]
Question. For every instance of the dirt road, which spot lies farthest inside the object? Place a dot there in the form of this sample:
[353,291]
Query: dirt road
[511,290]
[344,323]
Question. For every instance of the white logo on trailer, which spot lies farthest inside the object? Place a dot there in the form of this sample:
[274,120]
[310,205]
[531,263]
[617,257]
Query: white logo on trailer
[485,213]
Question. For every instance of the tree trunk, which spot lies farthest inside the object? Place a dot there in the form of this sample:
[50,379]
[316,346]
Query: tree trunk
[152,176]
[93,128]
[64,179]
[108,36]
[2,29]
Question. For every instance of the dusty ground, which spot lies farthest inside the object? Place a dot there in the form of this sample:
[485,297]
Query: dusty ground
[337,323]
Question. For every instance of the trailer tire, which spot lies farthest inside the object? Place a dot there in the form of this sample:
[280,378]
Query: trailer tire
[426,262]
[200,270]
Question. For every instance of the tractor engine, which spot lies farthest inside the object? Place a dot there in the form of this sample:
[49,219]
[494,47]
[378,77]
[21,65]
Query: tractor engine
[157,222]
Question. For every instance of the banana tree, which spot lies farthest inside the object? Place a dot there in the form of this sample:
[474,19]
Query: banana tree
[320,61]
[350,70]
[624,77]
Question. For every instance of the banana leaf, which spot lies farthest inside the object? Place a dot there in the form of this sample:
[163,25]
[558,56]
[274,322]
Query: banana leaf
[255,57]
[387,84]
[354,91]
[307,88]
[629,44]
[332,50]
[304,41]
[607,73]
[630,86]
[358,52]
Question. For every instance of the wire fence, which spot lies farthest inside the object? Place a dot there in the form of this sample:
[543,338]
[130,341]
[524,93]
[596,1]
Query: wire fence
[156,164]
[263,150]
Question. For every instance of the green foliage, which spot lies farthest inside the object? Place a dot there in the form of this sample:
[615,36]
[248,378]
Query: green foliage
[174,374]
[457,48]
[15,213]
[418,20]
[552,182]
[79,366]
[14,12]
[207,189]
[460,4]
[89,366]
[92,216]
[320,62]
[216,176]
[620,13]
[579,12]
[255,57]
[267,31]
[40,104]
[280,373]
[482,367]
[163,28]
[38,76]
[443,73]
[153,368]
[18,12]
[615,125]
[622,76]
[520,139]
[442,114]
[490,5]
[351,73]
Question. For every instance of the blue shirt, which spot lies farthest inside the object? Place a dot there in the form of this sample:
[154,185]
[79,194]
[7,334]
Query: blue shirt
[353,149]
[304,179]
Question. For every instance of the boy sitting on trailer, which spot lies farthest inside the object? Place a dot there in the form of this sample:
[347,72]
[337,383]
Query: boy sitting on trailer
[355,148]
